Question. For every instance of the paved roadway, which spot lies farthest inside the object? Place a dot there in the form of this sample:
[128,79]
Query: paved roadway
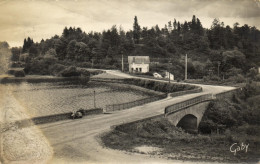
[77,141]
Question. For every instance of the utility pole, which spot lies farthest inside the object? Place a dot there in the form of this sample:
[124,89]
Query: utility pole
[169,72]
[168,90]
[186,67]
[218,68]
[122,62]
[92,63]
[169,77]
[94,99]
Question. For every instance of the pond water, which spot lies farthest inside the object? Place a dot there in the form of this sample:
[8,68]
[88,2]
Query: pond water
[40,99]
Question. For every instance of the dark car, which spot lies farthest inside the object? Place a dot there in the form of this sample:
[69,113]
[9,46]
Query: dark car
[76,115]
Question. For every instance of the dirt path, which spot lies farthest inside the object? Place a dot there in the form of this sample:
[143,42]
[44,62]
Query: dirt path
[76,141]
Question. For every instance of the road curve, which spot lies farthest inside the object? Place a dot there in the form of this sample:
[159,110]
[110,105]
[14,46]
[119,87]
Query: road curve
[206,88]
[77,141]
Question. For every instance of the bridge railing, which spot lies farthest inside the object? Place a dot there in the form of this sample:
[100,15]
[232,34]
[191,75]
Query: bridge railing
[128,105]
[199,99]
[187,103]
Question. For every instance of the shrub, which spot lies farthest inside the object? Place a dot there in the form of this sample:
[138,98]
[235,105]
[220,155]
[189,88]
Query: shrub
[254,102]
[11,72]
[215,78]
[142,83]
[17,65]
[103,66]
[19,73]
[38,67]
[205,78]
[70,72]
[84,72]
[56,69]
[257,77]
[237,79]
[96,72]
[159,86]
[248,129]
[85,64]
[219,114]
[206,126]
[253,72]
[149,73]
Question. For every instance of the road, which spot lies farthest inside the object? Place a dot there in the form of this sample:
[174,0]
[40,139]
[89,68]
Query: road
[77,141]
[206,88]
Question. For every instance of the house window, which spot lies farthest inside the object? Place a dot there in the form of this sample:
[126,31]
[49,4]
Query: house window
[132,69]
[136,69]
[140,69]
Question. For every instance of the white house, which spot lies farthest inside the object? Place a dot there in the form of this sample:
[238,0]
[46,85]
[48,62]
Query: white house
[138,64]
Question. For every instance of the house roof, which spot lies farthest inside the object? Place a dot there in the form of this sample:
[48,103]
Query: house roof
[138,59]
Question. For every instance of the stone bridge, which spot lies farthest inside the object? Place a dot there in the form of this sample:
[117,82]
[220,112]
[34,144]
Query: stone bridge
[188,114]
[189,117]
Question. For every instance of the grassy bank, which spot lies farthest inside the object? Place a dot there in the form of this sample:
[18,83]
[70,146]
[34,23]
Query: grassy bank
[173,143]
[160,86]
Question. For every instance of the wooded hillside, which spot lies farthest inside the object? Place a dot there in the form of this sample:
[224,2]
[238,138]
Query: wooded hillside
[220,50]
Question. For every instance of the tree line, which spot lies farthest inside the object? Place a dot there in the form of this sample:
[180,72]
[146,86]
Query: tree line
[220,49]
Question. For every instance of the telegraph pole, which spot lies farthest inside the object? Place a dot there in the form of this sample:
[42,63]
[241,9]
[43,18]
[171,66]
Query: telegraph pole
[186,67]
[122,62]
[94,99]
[169,77]
[92,62]
[218,68]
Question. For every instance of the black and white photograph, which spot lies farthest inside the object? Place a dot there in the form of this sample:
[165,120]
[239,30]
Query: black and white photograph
[129,81]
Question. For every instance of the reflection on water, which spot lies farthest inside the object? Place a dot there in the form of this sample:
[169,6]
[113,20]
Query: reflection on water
[51,98]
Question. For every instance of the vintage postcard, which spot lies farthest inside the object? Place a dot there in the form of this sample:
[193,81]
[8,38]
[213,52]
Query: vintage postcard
[129,81]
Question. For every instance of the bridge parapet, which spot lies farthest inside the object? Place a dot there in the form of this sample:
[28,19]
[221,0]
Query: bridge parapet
[181,105]
[207,97]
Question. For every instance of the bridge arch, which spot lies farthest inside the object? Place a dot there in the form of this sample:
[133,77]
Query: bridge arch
[188,123]
[188,118]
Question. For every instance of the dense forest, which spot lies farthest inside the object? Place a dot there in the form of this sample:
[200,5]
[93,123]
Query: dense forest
[220,52]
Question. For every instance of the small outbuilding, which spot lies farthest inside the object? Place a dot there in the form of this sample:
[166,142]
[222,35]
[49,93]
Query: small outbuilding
[138,64]
[169,75]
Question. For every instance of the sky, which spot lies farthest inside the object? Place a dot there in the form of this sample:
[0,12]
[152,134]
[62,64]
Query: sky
[44,18]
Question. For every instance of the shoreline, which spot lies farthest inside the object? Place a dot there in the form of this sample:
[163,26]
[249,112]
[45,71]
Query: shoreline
[40,78]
